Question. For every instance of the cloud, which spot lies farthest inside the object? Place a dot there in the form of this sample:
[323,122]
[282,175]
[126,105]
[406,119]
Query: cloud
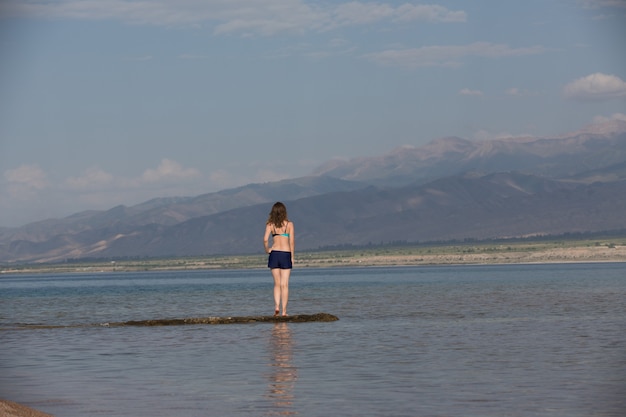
[29,176]
[468,92]
[596,4]
[485,135]
[265,18]
[168,171]
[32,195]
[98,188]
[24,192]
[447,56]
[596,87]
[101,190]
[429,12]
[360,13]
[25,181]
[616,116]
[244,17]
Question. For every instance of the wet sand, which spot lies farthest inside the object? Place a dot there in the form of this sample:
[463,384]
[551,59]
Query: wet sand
[11,409]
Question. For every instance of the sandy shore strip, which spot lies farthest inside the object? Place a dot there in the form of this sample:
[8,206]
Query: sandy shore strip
[11,409]
[486,253]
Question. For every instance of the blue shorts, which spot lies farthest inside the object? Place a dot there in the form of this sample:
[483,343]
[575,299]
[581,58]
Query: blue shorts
[279,259]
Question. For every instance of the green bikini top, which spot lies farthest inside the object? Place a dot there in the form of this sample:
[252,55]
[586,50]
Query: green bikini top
[281,234]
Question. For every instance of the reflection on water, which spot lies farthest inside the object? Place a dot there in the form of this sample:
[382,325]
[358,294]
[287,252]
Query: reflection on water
[283,375]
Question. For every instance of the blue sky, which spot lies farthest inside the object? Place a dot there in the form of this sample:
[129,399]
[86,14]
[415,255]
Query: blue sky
[107,102]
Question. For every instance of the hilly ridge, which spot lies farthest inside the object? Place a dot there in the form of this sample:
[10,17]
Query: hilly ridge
[451,188]
[561,157]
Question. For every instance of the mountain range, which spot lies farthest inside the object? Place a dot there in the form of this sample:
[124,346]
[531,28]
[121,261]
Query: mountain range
[450,188]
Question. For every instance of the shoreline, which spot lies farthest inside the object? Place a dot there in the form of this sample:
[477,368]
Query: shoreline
[12,409]
[587,251]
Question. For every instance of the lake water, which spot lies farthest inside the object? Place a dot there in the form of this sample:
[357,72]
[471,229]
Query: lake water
[511,340]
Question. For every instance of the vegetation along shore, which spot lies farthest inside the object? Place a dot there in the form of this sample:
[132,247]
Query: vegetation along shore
[612,249]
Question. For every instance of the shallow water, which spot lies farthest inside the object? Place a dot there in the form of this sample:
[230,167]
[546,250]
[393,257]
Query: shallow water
[514,340]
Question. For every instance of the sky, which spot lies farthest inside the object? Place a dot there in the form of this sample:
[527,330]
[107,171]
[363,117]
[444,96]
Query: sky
[108,102]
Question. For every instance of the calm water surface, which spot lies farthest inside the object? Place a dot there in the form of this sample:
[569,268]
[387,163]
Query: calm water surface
[529,340]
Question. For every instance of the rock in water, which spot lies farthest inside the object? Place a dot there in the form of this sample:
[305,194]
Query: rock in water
[299,318]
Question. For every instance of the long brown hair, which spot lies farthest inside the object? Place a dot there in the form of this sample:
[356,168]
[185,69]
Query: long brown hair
[278,215]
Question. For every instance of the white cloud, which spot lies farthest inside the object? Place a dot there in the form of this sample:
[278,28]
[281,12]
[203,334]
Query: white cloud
[358,13]
[596,4]
[100,190]
[25,181]
[269,175]
[33,195]
[24,192]
[484,135]
[468,92]
[244,17]
[29,176]
[362,13]
[429,12]
[168,171]
[448,56]
[596,86]
[616,116]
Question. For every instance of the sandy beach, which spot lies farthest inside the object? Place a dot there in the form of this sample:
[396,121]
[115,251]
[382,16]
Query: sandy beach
[11,409]
[500,256]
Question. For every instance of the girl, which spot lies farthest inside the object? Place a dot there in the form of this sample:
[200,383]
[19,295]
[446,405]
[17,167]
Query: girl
[280,253]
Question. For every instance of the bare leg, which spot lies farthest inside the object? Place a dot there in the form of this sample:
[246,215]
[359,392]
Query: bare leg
[281,289]
[276,275]
[284,288]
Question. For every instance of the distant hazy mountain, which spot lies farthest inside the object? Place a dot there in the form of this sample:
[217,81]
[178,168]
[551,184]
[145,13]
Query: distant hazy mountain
[174,210]
[450,188]
[566,156]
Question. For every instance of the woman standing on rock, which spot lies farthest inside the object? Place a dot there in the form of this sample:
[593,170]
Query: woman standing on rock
[280,253]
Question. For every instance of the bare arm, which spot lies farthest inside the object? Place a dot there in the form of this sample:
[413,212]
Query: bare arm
[292,241]
[266,239]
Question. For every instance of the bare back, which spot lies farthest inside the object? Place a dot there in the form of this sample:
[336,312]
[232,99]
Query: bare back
[282,237]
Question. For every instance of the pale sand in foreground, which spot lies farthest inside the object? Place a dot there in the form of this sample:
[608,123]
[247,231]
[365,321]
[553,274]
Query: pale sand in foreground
[11,409]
